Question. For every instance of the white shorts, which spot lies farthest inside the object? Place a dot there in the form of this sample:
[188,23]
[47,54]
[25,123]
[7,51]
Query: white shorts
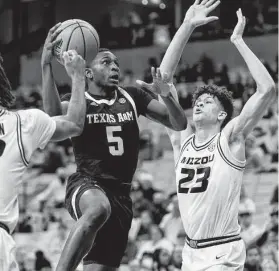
[224,257]
[7,252]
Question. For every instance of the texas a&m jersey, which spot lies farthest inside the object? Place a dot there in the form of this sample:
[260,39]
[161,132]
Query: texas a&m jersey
[107,150]
[208,181]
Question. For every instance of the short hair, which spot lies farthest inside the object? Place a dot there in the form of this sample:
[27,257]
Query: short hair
[222,94]
[104,50]
[6,97]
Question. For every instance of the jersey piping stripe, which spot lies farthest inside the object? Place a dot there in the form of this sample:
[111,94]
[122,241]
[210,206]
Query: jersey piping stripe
[226,159]
[130,99]
[2,112]
[199,148]
[74,197]
[182,150]
[19,140]
[102,101]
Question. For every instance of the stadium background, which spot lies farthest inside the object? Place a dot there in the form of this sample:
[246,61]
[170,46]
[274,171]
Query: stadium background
[138,32]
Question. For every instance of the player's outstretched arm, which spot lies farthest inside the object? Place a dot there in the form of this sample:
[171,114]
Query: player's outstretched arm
[51,100]
[195,16]
[72,123]
[256,106]
[169,113]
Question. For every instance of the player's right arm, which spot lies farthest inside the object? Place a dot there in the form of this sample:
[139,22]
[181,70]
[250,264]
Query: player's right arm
[51,100]
[39,128]
[195,16]
[72,123]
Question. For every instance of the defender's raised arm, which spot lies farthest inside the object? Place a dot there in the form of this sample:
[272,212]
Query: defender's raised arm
[256,106]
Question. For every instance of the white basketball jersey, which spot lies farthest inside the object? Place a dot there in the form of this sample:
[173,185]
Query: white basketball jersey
[208,181]
[21,133]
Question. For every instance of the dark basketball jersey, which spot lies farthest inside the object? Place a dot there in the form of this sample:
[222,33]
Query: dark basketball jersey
[108,147]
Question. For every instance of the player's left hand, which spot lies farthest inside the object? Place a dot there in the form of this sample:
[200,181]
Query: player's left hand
[160,85]
[50,43]
[239,28]
[196,15]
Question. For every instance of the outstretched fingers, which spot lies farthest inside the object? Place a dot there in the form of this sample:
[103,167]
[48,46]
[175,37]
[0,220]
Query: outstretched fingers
[213,6]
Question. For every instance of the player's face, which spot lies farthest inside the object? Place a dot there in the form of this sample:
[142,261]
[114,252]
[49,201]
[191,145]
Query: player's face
[253,256]
[207,110]
[106,70]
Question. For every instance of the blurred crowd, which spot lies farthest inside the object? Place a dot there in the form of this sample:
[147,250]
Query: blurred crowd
[145,27]
[156,238]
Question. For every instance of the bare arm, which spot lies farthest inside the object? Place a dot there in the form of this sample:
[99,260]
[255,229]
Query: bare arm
[256,106]
[195,16]
[51,100]
[169,113]
[72,123]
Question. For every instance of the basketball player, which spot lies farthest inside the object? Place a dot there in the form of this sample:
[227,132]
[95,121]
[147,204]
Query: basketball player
[106,153]
[21,133]
[209,167]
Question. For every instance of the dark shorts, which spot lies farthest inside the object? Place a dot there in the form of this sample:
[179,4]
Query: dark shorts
[111,240]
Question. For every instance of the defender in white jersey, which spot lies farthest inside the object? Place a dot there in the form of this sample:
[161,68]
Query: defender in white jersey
[21,133]
[210,159]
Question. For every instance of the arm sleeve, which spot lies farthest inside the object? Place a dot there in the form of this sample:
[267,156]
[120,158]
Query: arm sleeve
[142,98]
[38,128]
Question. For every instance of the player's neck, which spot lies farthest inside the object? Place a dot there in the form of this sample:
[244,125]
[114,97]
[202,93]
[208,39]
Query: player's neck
[102,92]
[203,133]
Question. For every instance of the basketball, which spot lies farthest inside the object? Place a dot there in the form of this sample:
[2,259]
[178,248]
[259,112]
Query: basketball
[77,35]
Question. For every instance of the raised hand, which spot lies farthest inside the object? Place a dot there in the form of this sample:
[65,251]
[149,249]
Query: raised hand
[50,42]
[239,28]
[160,85]
[197,13]
[74,64]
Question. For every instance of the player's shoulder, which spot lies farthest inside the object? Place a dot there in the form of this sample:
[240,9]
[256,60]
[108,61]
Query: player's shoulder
[31,113]
[31,117]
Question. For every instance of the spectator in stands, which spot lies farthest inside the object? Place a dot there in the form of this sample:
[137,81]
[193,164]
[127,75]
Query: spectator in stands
[245,200]
[162,260]
[249,231]
[29,261]
[256,158]
[156,241]
[41,263]
[139,202]
[54,158]
[253,259]
[140,229]
[177,258]
[171,223]
[146,262]
[159,201]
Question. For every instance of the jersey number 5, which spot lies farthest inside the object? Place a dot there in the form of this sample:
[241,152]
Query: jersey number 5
[204,174]
[117,147]
[2,147]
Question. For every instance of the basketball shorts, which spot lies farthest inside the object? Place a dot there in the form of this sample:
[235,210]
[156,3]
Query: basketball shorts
[7,252]
[223,257]
[111,240]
